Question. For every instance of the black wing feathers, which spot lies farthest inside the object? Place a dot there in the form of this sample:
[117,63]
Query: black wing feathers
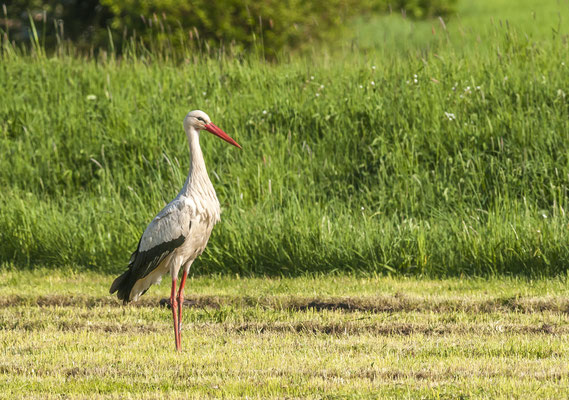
[141,264]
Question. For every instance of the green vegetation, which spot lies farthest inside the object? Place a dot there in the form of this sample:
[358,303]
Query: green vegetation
[479,27]
[444,162]
[307,337]
[420,150]
[270,26]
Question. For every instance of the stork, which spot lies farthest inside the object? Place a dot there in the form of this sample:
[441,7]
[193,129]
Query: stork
[179,233]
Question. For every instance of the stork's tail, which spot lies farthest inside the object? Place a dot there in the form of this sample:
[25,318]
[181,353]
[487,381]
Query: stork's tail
[123,285]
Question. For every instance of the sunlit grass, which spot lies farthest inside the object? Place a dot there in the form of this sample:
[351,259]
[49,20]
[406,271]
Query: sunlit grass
[437,161]
[77,282]
[477,27]
[256,342]
[416,152]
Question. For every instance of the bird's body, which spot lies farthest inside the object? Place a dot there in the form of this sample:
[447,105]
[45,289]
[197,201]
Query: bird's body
[180,232]
[177,235]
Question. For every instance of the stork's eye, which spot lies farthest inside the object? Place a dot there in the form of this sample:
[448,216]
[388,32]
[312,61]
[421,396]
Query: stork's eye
[201,119]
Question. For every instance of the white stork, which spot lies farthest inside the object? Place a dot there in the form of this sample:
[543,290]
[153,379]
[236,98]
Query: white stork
[179,233]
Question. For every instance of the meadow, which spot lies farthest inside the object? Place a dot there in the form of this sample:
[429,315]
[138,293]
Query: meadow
[439,160]
[395,225]
[327,336]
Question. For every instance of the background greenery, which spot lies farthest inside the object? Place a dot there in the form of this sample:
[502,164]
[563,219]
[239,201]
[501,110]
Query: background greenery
[432,147]
[268,26]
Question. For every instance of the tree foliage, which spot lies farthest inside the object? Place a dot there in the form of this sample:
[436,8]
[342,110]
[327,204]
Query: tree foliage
[269,25]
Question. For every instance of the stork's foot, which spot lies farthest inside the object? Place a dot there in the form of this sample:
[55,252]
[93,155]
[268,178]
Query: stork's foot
[166,303]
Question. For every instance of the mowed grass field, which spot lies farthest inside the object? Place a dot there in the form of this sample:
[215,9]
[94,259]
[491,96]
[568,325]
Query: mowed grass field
[62,336]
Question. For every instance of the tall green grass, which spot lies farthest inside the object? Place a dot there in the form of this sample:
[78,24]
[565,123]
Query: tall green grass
[431,162]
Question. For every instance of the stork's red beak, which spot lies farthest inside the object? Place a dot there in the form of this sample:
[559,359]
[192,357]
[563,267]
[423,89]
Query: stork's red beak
[218,132]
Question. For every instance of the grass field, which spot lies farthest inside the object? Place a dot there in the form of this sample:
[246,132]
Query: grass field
[305,337]
[478,27]
[447,158]
[394,227]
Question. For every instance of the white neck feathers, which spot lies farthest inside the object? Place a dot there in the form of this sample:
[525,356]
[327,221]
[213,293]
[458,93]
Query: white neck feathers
[198,187]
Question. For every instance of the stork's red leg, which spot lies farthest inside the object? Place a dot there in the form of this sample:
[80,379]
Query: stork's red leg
[174,304]
[181,303]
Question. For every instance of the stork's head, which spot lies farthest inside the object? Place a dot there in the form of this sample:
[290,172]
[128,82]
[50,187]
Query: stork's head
[199,120]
